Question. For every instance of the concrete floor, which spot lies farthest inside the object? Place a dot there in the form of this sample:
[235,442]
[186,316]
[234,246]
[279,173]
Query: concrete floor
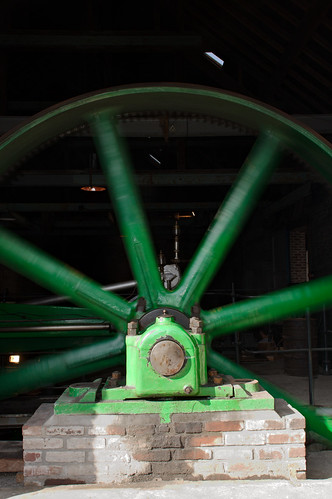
[186,490]
[319,463]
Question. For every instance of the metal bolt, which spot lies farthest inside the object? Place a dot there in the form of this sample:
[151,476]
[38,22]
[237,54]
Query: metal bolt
[132,328]
[196,325]
[217,380]
[187,389]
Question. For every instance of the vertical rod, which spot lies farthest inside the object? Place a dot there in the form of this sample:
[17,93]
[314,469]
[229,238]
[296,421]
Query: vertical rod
[326,360]
[236,334]
[311,381]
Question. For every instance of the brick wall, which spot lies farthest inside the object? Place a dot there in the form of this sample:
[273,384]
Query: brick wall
[298,256]
[199,446]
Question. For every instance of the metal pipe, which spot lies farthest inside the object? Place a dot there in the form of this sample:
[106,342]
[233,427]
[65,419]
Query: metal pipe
[49,272]
[310,371]
[72,364]
[236,334]
[59,299]
[290,350]
[79,327]
[273,306]
[326,360]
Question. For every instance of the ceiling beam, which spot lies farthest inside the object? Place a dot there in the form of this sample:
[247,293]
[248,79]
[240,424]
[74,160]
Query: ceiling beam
[100,207]
[149,178]
[98,41]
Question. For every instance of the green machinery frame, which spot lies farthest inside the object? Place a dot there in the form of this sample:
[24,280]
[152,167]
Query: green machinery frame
[276,132]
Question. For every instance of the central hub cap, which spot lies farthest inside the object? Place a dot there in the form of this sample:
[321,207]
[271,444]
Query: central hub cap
[167,357]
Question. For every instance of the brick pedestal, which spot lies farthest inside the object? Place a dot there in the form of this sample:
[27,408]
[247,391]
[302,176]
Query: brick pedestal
[61,449]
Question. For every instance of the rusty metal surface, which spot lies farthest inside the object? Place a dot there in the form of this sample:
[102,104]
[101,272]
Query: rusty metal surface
[167,357]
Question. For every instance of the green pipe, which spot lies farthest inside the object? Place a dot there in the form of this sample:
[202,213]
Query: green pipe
[319,425]
[61,367]
[273,306]
[22,315]
[231,217]
[128,207]
[54,275]
[47,345]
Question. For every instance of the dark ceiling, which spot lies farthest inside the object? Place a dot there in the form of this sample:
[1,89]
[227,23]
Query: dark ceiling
[275,51]
[278,52]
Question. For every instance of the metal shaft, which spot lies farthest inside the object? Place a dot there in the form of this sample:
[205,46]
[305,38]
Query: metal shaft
[51,300]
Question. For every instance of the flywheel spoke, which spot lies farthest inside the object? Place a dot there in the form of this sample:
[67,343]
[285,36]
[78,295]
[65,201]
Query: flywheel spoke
[62,279]
[273,306]
[317,424]
[128,207]
[230,219]
[61,367]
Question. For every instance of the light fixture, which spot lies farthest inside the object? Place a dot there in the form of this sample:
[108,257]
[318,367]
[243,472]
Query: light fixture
[214,58]
[191,215]
[155,160]
[14,359]
[91,187]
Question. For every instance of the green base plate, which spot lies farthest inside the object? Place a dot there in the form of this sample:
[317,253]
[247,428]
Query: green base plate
[234,395]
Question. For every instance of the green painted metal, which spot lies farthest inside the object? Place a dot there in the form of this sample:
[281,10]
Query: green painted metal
[273,306]
[167,97]
[128,207]
[229,389]
[61,367]
[61,279]
[39,345]
[232,215]
[319,424]
[35,328]
[22,315]
[78,401]
[149,383]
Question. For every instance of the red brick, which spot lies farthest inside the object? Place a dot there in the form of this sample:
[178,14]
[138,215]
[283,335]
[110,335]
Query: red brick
[204,441]
[297,452]
[115,430]
[278,439]
[270,454]
[163,428]
[32,456]
[285,438]
[152,455]
[224,426]
[188,427]
[297,424]
[42,470]
[147,429]
[172,468]
[65,430]
[166,441]
[192,454]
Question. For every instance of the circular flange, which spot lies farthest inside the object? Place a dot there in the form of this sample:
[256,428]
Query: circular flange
[150,317]
[167,357]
